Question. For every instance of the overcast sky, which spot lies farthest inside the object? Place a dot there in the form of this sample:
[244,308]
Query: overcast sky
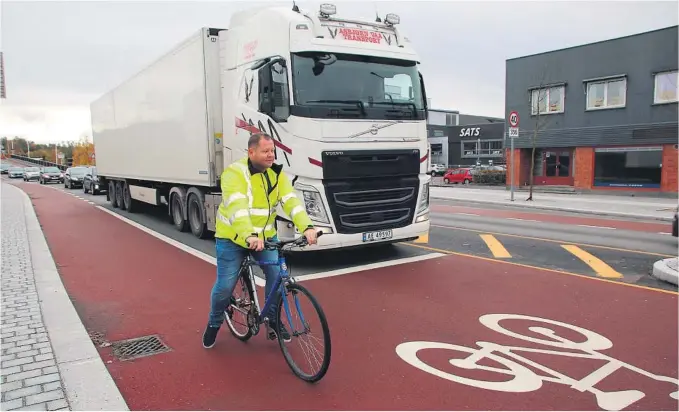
[59,56]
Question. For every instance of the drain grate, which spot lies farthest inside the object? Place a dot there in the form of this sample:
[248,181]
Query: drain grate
[138,347]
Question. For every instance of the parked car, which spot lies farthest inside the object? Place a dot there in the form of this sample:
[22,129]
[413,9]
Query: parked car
[31,173]
[51,174]
[15,172]
[91,182]
[437,169]
[74,176]
[462,175]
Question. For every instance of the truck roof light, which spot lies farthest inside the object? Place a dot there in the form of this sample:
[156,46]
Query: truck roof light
[392,19]
[302,27]
[328,9]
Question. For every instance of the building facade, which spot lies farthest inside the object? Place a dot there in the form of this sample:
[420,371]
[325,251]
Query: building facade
[463,140]
[602,116]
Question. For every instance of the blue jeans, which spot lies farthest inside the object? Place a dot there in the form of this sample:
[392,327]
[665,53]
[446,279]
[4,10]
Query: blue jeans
[229,258]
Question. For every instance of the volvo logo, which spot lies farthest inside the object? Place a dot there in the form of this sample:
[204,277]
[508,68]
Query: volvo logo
[374,129]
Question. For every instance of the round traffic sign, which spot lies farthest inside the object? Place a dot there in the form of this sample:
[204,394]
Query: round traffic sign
[514,119]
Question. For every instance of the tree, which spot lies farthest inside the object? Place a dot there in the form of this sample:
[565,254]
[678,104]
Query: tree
[82,152]
[541,105]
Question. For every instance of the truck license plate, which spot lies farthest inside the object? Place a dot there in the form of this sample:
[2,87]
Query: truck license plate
[379,235]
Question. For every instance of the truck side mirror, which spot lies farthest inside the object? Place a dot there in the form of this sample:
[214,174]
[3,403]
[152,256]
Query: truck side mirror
[265,90]
[424,97]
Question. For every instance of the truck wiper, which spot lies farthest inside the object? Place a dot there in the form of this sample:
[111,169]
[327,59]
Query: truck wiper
[358,103]
[393,103]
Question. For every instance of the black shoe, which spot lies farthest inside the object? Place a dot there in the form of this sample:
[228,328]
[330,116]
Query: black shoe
[284,333]
[209,336]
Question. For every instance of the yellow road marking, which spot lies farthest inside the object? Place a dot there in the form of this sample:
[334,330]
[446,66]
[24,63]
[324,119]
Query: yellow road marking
[562,272]
[422,239]
[495,247]
[598,265]
[555,241]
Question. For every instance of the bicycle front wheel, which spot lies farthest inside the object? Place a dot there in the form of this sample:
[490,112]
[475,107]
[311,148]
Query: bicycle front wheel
[303,318]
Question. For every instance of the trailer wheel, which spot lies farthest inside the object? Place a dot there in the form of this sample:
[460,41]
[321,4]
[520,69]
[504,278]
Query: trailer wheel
[195,215]
[112,193]
[129,203]
[176,212]
[119,194]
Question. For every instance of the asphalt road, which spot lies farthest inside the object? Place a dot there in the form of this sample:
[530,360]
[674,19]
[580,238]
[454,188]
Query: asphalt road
[612,248]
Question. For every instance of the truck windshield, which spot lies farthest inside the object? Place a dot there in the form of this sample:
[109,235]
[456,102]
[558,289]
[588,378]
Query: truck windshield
[353,86]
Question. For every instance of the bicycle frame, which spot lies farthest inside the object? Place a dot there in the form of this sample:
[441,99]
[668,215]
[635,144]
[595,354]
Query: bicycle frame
[278,286]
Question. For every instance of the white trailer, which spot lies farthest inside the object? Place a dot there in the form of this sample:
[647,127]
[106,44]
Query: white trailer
[343,100]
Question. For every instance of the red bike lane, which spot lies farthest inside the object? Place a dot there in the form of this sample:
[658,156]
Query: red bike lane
[126,283]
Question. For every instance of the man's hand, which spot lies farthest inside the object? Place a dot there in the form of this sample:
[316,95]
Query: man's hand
[310,235]
[255,243]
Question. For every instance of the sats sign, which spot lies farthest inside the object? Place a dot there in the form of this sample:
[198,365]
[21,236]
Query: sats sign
[364,36]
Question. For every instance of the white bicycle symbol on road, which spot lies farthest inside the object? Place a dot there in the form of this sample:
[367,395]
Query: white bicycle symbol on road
[524,379]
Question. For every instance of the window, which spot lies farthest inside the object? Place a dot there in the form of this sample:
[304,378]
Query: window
[547,100]
[281,100]
[356,86]
[606,94]
[666,87]
[484,148]
[628,167]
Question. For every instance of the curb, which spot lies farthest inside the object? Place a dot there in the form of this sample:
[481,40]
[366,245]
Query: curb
[560,209]
[663,271]
[87,383]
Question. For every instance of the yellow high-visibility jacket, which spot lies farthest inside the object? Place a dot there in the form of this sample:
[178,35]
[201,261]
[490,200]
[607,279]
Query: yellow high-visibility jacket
[246,210]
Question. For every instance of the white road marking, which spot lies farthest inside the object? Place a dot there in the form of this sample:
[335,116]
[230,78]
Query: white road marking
[523,220]
[466,214]
[259,281]
[664,233]
[598,227]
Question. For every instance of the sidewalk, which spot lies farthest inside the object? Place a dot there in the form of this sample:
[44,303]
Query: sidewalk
[639,207]
[48,360]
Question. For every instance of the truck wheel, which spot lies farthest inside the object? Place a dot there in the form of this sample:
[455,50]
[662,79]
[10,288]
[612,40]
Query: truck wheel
[119,194]
[112,193]
[176,212]
[129,203]
[195,215]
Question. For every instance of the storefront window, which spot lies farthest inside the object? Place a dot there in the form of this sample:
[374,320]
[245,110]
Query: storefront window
[628,167]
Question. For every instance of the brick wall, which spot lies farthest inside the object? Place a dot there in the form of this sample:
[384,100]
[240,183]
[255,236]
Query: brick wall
[522,169]
[669,181]
[584,168]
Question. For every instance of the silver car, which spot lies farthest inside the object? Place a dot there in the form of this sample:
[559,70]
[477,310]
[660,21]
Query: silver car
[31,173]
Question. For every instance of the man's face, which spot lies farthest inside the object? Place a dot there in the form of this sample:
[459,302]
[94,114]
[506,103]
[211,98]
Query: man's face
[262,155]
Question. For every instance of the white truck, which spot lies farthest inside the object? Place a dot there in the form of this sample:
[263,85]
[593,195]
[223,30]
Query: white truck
[343,100]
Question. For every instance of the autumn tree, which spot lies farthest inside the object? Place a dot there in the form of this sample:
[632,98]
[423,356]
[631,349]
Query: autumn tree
[82,153]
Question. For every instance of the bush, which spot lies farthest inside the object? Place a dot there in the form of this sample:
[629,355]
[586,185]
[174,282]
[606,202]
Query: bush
[490,177]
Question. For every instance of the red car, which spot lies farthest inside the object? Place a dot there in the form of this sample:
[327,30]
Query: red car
[463,176]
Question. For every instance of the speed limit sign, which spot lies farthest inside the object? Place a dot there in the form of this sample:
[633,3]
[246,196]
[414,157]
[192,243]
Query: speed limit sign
[514,119]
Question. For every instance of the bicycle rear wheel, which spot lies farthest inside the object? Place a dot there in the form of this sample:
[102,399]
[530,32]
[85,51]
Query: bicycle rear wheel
[238,312]
[295,314]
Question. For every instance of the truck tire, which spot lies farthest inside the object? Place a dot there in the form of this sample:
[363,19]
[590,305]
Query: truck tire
[195,217]
[119,194]
[129,204]
[176,213]
[113,198]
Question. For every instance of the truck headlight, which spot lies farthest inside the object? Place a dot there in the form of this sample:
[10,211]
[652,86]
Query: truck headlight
[313,203]
[424,200]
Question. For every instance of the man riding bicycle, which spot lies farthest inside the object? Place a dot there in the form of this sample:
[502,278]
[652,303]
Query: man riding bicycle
[251,189]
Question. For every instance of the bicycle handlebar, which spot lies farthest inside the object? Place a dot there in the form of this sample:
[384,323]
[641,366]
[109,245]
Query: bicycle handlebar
[272,244]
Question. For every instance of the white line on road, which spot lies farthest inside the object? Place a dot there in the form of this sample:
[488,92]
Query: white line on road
[466,214]
[523,220]
[259,281]
[597,227]
[664,233]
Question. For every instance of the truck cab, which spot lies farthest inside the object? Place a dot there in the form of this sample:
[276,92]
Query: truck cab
[346,106]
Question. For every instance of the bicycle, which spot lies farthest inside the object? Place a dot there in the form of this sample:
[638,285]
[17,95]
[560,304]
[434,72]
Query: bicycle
[285,284]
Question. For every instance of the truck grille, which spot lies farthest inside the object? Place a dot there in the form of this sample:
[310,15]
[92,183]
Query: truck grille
[374,197]
[362,205]
[367,219]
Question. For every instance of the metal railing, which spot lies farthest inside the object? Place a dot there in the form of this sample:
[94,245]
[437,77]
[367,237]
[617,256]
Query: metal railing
[38,162]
